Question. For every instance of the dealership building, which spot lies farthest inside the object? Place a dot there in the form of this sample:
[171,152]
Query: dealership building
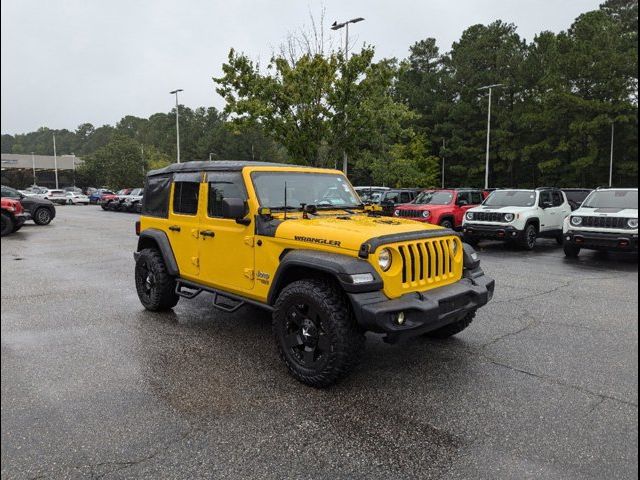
[21,171]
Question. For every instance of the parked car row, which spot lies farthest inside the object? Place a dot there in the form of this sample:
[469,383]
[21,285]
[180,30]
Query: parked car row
[125,200]
[38,209]
[602,219]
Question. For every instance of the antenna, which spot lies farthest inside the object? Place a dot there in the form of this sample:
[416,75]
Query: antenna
[285,200]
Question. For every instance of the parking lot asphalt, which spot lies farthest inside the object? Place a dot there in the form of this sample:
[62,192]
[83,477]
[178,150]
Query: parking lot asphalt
[544,384]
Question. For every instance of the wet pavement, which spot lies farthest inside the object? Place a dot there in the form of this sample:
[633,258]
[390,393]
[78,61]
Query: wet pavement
[544,384]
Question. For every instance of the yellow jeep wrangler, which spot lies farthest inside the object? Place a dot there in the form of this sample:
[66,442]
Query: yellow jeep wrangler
[299,243]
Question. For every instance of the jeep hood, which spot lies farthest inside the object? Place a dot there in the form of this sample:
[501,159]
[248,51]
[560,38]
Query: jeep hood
[501,209]
[606,212]
[346,231]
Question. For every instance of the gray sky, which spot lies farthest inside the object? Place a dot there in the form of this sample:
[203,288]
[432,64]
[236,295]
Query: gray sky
[74,61]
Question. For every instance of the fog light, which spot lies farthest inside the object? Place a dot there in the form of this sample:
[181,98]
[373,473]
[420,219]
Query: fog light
[400,319]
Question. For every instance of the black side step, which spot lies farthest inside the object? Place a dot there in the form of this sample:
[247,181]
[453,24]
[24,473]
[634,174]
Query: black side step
[190,293]
[223,302]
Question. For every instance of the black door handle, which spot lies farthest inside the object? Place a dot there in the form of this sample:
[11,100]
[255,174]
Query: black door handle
[174,228]
[207,233]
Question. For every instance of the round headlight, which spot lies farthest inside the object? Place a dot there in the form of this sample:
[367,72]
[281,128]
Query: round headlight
[509,217]
[426,214]
[384,259]
[397,213]
[469,216]
[576,221]
[633,223]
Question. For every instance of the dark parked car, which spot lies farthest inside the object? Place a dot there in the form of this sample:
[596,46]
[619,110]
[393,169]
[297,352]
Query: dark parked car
[41,211]
[576,196]
[396,196]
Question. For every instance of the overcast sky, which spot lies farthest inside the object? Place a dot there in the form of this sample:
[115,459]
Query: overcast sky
[69,62]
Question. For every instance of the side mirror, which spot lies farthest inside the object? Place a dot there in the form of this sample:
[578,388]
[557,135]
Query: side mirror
[462,203]
[233,208]
[547,204]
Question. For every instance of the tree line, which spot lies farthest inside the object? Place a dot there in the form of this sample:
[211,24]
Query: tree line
[562,98]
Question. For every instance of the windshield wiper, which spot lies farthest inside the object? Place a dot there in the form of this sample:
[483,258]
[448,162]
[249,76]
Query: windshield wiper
[284,207]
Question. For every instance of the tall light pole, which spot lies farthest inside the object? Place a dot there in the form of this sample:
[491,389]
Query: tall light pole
[486,167]
[175,92]
[613,126]
[444,146]
[73,160]
[33,162]
[338,26]
[55,160]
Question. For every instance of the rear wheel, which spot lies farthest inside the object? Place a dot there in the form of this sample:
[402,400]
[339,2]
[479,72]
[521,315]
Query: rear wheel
[7,225]
[316,333]
[156,288]
[530,237]
[42,216]
[571,251]
[453,328]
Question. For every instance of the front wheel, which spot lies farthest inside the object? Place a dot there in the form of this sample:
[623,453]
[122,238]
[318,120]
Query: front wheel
[316,333]
[447,224]
[156,288]
[571,251]
[7,225]
[530,237]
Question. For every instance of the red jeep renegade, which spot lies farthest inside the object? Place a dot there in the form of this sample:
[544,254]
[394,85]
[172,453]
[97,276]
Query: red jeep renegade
[441,207]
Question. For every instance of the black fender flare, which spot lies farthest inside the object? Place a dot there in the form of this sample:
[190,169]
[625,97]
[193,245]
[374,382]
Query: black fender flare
[160,239]
[338,266]
[535,221]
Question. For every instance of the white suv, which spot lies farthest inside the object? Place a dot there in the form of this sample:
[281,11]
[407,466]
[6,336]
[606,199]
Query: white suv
[606,220]
[519,216]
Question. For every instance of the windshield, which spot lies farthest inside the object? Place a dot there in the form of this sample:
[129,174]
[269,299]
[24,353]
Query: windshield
[320,189]
[511,198]
[434,198]
[612,199]
[370,195]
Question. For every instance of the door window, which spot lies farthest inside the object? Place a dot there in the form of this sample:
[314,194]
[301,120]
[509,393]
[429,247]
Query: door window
[405,197]
[185,198]
[223,186]
[476,198]
[557,199]
[464,197]
[545,198]
[156,201]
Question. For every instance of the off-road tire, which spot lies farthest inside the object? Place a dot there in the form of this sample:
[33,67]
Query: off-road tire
[42,216]
[560,239]
[447,223]
[7,225]
[156,288]
[336,322]
[453,328]
[529,237]
[571,251]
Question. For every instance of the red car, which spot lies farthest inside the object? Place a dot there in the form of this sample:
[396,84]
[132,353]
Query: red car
[441,207]
[13,216]
[106,198]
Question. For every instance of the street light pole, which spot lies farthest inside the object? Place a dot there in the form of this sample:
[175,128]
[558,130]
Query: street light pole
[33,162]
[338,26]
[444,146]
[55,160]
[613,125]
[486,167]
[175,92]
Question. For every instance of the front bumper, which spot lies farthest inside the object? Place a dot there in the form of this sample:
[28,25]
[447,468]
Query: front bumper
[496,232]
[423,311]
[21,218]
[624,242]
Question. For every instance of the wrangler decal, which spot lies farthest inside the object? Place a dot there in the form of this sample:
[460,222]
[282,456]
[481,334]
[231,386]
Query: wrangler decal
[319,241]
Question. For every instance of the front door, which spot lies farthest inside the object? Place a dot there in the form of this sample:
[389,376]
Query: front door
[227,254]
[183,224]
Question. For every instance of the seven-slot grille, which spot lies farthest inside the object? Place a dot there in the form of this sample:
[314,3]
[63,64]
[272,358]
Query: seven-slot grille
[410,213]
[488,216]
[427,262]
[605,222]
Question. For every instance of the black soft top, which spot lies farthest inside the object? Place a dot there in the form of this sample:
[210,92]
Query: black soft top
[214,166]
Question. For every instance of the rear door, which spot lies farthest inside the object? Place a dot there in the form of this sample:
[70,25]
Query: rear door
[183,226]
